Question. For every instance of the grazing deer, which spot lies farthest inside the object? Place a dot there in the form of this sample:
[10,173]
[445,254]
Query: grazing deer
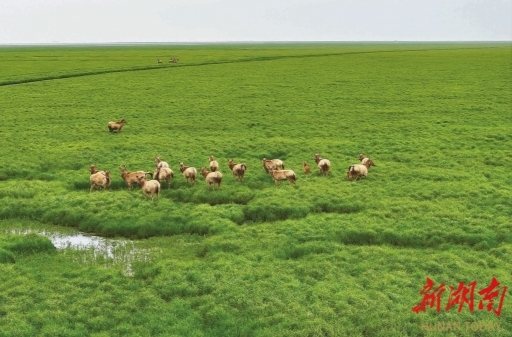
[159,61]
[116,126]
[278,175]
[359,170]
[100,179]
[211,178]
[189,173]
[275,164]
[323,164]
[237,169]
[307,169]
[214,165]
[132,177]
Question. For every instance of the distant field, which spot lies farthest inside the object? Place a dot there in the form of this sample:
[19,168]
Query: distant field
[323,257]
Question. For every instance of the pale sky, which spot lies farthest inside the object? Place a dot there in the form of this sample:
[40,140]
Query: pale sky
[124,21]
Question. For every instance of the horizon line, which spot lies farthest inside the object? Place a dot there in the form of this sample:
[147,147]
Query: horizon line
[249,42]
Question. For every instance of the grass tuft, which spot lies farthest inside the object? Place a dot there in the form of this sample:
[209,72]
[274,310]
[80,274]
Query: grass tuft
[6,256]
[26,244]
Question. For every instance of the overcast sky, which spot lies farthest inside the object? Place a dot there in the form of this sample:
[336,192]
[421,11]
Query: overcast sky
[105,21]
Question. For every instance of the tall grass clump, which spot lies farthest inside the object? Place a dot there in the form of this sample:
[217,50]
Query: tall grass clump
[26,244]
[6,256]
[266,211]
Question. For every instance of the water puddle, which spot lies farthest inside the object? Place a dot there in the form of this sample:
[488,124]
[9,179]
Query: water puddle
[83,241]
[95,249]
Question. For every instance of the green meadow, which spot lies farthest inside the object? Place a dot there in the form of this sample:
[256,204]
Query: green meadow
[323,257]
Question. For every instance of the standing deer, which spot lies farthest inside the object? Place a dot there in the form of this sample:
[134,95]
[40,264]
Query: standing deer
[116,126]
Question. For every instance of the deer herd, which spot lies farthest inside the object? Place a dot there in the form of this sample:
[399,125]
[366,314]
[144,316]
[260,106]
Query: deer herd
[213,177]
[171,60]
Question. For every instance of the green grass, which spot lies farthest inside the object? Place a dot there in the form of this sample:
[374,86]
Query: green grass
[324,257]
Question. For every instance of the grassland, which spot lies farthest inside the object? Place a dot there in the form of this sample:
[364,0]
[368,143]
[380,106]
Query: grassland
[325,257]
